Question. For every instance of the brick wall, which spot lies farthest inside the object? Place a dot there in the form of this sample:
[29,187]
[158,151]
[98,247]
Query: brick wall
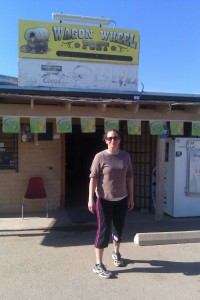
[42,160]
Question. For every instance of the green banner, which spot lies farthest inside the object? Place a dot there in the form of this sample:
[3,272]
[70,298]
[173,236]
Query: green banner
[156,127]
[11,124]
[176,127]
[38,124]
[111,124]
[64,124]
[196,128]
[134,127]
[88,125]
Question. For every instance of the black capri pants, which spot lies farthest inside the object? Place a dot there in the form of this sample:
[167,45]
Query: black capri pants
[110,214]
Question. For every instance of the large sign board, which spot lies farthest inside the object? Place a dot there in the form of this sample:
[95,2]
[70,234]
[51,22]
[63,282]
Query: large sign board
[59,41]
[74,74]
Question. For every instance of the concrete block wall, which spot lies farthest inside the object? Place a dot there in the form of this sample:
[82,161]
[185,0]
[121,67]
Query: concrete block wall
[42,160]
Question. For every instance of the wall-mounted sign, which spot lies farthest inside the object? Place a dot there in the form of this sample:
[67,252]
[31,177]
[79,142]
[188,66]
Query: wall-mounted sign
[74,74]
[26,135]
[77,42]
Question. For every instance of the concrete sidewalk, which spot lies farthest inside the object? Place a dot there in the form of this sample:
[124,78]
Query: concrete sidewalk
[140,228]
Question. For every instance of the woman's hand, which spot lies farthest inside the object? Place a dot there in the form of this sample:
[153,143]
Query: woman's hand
[91,206]
[130,204]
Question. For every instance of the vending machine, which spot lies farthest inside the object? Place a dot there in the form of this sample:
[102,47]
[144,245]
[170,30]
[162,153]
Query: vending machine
[182,177]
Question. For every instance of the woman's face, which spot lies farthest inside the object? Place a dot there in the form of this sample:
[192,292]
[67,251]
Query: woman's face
[112,140]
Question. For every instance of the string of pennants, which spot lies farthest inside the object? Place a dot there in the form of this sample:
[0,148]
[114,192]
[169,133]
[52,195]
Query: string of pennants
[11,124]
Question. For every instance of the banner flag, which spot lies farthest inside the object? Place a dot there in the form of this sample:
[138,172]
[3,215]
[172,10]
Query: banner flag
[196,128]
[64,124]
[111,124]
[88,125]
[38,124]
[176,127]
[156,127]
[11,124]
[134,127]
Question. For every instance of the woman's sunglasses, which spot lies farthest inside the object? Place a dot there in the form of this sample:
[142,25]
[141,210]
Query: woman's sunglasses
[114,138]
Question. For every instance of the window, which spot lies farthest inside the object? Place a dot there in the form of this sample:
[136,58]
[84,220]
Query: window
[8,150]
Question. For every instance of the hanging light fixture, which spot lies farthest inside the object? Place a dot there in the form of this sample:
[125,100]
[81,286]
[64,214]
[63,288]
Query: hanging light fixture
[76,18]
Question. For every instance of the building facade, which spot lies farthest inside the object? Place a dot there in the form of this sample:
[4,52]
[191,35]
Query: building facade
[63,159]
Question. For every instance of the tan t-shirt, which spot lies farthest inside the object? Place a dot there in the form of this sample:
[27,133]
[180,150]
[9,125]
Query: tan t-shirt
[111,171]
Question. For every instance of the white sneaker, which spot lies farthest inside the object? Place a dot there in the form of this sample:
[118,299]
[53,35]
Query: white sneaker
[101,270]
[118,262]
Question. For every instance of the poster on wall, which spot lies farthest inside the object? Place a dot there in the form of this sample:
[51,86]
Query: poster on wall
[26,135]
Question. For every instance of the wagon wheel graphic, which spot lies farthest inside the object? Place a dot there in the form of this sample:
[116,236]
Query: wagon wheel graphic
[38,48]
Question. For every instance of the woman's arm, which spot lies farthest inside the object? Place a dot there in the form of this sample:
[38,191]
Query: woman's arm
[92,187]
[129,181]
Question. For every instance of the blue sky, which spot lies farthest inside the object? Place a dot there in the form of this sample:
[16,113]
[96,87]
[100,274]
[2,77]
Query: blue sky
[169,36]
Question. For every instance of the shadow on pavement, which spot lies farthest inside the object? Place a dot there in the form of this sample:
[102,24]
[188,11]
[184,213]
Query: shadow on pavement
[78,231]
[161,266]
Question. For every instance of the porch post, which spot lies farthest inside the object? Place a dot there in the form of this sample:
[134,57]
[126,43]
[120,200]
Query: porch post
[160,173]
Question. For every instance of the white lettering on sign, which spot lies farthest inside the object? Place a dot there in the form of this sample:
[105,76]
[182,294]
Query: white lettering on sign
[124,38]
[61,33]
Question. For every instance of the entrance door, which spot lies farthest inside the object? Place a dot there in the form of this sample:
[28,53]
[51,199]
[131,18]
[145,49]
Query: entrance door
[80,151]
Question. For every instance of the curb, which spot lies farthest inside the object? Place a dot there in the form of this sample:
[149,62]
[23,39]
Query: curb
[162,238]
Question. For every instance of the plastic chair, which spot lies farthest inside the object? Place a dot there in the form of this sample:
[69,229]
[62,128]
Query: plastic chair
[35,191]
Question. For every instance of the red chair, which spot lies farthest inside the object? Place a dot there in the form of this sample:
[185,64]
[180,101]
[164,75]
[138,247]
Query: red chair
[35,191]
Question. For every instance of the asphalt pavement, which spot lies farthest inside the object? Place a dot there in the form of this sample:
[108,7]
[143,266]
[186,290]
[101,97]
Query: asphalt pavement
[53,259]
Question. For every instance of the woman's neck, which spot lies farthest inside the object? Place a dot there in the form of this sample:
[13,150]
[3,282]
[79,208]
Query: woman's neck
[112,151]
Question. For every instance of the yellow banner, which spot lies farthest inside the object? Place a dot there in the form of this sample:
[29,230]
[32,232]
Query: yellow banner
[176,127]
[111,124]
[11,124]
[88,125]
[77,42]
[64,124]
[156,127]
[38,124]
[134,127]
[196,128]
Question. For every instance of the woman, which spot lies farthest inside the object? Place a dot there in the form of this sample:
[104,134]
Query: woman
[111,179]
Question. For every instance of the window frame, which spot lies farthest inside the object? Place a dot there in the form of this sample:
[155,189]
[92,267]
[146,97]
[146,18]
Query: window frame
[8,148]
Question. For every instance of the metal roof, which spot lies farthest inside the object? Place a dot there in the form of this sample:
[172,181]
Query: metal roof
[11,92]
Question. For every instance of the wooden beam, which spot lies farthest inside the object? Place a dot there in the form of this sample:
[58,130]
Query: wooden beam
[164,109]
[68,106]
[192,109]
[63,173]
[102,107]
[133,107]
[32,103]
[160,174]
